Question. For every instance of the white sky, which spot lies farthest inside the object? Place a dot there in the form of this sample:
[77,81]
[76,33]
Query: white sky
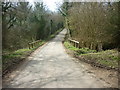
[51,4]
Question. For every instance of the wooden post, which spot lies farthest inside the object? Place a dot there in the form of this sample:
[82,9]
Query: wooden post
[91,45]
[29,45]
[32,45]
[74,43]
[78,45]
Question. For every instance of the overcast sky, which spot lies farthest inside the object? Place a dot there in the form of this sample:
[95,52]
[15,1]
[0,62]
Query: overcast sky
[51,4]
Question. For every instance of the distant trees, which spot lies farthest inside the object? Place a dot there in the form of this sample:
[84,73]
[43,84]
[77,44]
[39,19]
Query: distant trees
[22,23]
[94,24]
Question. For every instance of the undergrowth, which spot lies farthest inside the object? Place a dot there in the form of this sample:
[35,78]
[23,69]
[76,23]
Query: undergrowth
[107,58]
[11,58]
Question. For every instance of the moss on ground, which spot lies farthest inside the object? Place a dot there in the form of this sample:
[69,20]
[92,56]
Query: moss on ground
[69,46]
[12,58]
[107,58]
[78,51]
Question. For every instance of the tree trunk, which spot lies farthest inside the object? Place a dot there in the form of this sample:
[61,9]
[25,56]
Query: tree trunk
[91,46]
[82,44]
[94,46]
[99,47]
[4,32]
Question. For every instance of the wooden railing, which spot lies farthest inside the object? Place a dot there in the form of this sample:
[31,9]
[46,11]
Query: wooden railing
[33,44]
[74,42]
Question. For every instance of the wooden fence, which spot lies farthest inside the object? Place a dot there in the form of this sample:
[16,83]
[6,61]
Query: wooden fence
[33,44]
[74,42]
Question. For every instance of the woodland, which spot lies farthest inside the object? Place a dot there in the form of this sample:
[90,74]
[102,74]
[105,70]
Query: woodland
[95,25]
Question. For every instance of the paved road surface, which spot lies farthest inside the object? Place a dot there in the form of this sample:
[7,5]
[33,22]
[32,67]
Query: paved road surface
[51,67]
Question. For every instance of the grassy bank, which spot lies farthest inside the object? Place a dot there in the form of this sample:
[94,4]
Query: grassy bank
[108,58]
[11,59]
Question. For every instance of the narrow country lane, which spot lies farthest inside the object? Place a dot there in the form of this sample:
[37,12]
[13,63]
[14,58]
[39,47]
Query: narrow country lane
[51,67]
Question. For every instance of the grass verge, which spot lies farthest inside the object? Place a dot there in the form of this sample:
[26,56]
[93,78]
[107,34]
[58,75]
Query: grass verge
[11,59]
[106,59]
